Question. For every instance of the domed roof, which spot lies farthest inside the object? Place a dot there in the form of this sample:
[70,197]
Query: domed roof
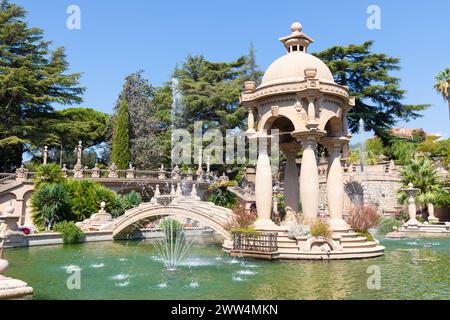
[291,68]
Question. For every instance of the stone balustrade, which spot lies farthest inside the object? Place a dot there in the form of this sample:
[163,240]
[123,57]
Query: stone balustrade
[131,173]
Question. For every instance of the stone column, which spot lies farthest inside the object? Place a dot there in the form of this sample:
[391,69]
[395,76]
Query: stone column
[309,178]
[431,217]
[250,121]
[263,189]
[335,186]
[291,182]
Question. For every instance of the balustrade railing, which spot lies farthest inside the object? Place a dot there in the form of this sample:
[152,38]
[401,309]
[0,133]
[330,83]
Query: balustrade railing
[258,241]
[122,174]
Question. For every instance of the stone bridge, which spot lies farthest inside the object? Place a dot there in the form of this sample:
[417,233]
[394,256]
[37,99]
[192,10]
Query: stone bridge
[208,214]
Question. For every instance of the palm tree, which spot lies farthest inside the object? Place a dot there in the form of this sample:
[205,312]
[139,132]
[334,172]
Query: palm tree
[421,172]
[442,86]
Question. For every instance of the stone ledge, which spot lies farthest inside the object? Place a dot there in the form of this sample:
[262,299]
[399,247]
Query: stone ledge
[12,288]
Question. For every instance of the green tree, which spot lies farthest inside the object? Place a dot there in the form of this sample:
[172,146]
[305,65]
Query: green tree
[442,86]
[31,79]
[146,125]
[211,92]
[120,141]
[402,151]
[378,94]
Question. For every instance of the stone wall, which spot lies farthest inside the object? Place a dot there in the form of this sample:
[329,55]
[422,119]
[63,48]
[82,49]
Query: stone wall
[372,185]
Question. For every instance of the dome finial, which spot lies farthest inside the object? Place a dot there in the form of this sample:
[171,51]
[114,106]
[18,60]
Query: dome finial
[296,27]
[297,41]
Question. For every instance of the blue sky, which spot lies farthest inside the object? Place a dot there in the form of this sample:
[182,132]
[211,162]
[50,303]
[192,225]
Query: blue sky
[120,37]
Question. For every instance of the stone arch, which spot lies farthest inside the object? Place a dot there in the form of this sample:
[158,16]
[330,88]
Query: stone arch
[26,218]
[206,213]
[330,109]
[355,192]
[284,124]
[333,127]
[6,199]
[268,118]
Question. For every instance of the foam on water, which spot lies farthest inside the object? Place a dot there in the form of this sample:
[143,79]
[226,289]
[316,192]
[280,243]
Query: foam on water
[193,284]
[246,272]
[235,278]
[121,276]
[122,284]
[197,262]
[72,268]
[123,259]
[162,285]
[97,265]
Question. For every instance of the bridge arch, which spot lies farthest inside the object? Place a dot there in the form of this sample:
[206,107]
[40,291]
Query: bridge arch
[206,213]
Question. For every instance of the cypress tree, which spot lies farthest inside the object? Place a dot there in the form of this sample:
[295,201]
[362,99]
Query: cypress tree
[120,143]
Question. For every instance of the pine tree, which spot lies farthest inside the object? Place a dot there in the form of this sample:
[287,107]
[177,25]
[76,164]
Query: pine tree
[378,94]
[31,79]
[120,142]
[211,91]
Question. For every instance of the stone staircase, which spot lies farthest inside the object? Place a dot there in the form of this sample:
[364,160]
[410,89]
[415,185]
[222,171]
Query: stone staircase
[348,245]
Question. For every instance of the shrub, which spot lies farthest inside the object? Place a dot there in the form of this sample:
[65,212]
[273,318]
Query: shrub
[402,216]
[50,203]
[70,200]
[320,228]
[221,196]
[47,173]
[85,197]
[367,235]
[388,224]
[361,219]
[125,202]
[241,219]
[297,230]
[171,228]
[69,231]
[246,230]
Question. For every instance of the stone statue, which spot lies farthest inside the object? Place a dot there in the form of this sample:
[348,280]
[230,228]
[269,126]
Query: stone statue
[21,173]
[45,155]
[79,152]
[112,171]
[95,172]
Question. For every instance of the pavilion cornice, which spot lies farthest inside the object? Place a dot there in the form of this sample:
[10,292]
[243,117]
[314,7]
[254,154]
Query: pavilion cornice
[296,87]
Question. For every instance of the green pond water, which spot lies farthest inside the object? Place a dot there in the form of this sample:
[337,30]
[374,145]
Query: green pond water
[410,269]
